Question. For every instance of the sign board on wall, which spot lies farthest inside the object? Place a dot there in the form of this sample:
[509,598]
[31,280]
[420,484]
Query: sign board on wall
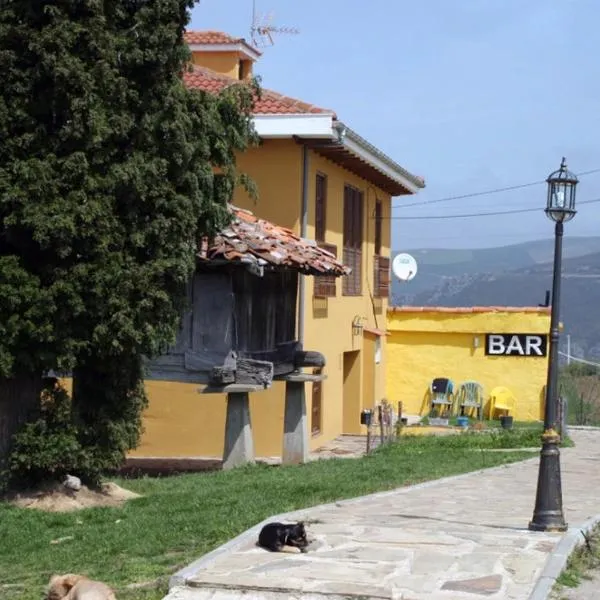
[516,344]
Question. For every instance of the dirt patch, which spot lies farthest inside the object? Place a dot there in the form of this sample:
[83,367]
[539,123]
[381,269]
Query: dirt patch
[57,498]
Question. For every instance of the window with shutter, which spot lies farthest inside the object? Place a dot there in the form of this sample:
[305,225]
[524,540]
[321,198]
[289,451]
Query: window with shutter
[320,207]
[324,285]
[381,276]
[381,264]
[353,239]
[378,226]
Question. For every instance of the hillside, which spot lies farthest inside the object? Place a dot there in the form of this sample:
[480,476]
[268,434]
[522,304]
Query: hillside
[526,286]
[437,264]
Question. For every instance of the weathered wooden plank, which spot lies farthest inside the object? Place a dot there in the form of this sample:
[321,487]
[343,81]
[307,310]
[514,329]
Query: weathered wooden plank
[203,361]
[250,372]
[222,375]
[212,319]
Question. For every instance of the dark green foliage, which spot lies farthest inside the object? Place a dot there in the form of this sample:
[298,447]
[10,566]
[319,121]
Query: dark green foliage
[47,446]
[106,185]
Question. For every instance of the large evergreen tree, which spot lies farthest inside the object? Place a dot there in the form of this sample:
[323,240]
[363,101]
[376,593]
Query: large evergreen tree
[106,184]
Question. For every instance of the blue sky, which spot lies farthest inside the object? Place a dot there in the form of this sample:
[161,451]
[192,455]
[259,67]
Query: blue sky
[471,94]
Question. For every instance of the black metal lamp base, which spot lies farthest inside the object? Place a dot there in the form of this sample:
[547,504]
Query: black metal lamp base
[548,514]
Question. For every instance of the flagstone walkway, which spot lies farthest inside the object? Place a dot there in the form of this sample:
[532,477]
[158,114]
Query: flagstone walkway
[452,539]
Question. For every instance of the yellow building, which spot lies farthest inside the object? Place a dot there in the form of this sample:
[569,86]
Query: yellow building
[322,180]
[464,344]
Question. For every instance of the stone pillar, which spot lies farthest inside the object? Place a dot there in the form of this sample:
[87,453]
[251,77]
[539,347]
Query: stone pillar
[295,428]
[239,445]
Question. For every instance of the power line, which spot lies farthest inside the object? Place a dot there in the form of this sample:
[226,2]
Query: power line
[483,236]
[579,360]
[484,214]
[509,188]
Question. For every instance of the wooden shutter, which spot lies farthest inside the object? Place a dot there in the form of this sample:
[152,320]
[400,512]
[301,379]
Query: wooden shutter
[353,238]
[381,276]
[378,226]
[320,207]
[325,285]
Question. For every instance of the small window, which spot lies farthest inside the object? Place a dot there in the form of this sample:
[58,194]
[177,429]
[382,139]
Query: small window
[352,240]
[244,67]
[320,207]
[378,226]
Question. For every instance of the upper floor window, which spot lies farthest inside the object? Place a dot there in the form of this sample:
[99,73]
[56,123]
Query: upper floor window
[324,285]
[381,264]
[320,207]
[353,240]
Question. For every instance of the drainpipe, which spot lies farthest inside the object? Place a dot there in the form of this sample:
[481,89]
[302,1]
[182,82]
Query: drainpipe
[303,230]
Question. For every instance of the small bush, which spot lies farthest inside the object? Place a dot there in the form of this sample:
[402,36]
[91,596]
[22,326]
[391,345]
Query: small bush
[47,447]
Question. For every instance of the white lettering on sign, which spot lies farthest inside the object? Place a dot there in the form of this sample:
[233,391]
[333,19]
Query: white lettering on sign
[516,344]
[495,344]
[533,345]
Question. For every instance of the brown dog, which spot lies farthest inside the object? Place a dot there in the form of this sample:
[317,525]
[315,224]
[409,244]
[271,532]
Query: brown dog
[77,587]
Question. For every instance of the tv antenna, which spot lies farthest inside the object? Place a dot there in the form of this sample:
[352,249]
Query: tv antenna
[262,30]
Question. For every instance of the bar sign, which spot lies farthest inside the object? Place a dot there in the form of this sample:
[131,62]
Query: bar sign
[516,344]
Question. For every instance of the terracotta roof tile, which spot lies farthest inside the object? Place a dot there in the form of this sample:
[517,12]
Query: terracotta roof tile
[470,309]
[210,37]
[251,240]
[270,103]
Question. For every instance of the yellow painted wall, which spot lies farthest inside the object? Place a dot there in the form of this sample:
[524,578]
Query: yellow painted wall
[226,63]
[426,344]
[182,422]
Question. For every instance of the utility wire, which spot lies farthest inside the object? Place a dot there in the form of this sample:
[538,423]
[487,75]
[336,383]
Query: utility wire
[509,188]
[579,360]
[481,214]
[407,237]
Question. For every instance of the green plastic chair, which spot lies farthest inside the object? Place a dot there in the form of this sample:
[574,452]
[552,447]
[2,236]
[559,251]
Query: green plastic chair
[470,396]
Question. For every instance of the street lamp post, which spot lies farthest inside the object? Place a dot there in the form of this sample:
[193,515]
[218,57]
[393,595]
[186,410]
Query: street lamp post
[548,513]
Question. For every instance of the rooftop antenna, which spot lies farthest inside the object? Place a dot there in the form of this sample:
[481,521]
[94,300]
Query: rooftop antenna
[262,30]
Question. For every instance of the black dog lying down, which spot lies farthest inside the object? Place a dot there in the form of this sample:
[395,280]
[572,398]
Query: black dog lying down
[274,536]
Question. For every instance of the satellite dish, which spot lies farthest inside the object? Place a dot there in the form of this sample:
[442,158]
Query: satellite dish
[404,267]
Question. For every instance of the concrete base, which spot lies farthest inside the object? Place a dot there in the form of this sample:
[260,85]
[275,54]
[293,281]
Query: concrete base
[295,428]
[239,444]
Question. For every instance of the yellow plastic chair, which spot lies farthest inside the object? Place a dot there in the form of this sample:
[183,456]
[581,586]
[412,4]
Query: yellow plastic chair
[501,398]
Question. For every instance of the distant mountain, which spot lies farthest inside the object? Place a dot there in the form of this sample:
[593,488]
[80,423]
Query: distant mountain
[497,284]
[435,265]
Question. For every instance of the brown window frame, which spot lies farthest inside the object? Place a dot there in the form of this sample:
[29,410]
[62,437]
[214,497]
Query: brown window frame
[325,285]
[320,207]
[381,276]
[381,264]
[378,226]
[353,238]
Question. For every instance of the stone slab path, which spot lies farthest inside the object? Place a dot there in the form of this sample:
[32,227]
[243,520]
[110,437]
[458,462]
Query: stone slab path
[452,539]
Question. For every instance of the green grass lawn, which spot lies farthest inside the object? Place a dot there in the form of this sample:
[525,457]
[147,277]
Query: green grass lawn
[180,518]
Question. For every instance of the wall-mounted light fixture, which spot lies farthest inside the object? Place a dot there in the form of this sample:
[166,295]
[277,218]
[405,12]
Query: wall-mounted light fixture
[357,325]
[476,342]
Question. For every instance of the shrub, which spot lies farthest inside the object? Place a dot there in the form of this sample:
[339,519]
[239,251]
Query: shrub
[46,448]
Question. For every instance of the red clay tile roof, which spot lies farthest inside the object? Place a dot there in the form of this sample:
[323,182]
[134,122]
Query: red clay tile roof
[270,103]
[216,38]
[251,240]
[210,37]
[470,309]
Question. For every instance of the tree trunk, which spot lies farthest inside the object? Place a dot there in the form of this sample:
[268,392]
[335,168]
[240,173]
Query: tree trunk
[19,398]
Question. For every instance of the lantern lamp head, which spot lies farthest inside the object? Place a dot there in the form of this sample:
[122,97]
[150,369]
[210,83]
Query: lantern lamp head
[562,185]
